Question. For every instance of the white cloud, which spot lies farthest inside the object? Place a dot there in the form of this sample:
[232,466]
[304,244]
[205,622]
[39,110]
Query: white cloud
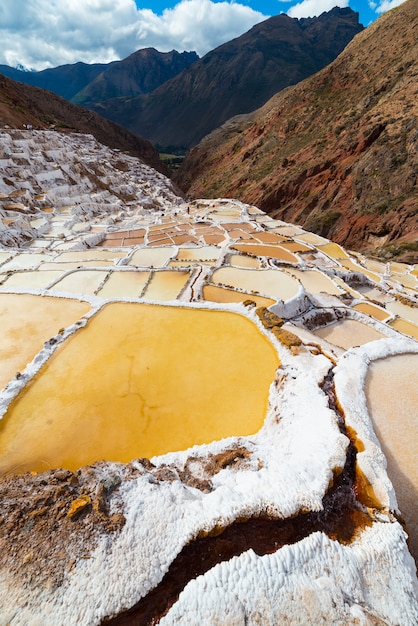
[312,8]
[47,33]
[386,5]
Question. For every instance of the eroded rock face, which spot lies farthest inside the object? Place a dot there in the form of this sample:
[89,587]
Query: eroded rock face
[337,152]
[295,520]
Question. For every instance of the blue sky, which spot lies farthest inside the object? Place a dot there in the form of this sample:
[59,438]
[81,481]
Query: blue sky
[365,9]
[46,33]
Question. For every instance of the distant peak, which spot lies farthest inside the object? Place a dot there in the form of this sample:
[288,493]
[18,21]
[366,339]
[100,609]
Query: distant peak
[22,68]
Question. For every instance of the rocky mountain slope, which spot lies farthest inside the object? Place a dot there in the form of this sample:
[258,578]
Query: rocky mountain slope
[26,105]
[337,153]
[65,80]
[236,77]
[141,72]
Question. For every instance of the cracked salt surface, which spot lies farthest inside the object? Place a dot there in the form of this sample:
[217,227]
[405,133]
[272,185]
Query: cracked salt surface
[109,209]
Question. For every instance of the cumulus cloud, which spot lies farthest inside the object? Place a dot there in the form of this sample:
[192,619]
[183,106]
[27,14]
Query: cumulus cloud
[312,8]
[386,5]
[47,33]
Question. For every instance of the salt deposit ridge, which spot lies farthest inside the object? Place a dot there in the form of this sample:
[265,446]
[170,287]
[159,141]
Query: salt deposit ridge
[199,424]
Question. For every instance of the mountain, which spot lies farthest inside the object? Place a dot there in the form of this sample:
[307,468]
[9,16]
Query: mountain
[236,77]
[141,72]
[66,80]
[336,153]
[26,105]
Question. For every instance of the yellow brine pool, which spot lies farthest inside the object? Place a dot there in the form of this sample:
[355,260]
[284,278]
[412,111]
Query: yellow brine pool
[141,380]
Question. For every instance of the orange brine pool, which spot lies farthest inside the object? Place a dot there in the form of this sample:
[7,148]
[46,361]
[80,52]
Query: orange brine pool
[141,380]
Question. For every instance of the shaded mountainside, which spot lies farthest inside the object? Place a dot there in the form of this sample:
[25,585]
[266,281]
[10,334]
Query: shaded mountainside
[336,153]
[141,72]
[23,104]
[65,80]
[236,77]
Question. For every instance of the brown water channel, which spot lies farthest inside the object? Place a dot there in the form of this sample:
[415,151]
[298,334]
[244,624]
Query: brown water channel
[137,381]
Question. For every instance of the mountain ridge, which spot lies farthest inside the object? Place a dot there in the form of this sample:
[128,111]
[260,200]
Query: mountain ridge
[236,77]
[336,153]
[141,71]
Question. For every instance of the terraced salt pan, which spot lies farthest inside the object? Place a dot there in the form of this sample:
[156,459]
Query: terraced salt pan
[152,257]
[204,253]
[292,460]
[126,284]
[310,238]
[224,215]
[374,311]
[81,282]
[333,250]
[374,294]
[88,255]
[316,282]
[275,252]
[353,292]
[24,261]
[177,382]
[267,237]
[348,333]
[273,283]
[27,322]
[405,327]
[409,313]
[4,256]
[166,285]
[37,279]
[296,246]
[240,260]
[375,266]
[407,280]
[392,398]
[212,293]
[355,267]
[398,268]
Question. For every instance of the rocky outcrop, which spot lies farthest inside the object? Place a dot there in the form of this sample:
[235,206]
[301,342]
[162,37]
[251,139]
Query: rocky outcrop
[337,153]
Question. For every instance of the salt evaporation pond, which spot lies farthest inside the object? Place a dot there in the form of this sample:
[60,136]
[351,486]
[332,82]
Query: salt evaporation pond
[348,333]
[274,283]
[31,280]
[213,293]
[81,281]
[274,252]
[177,381]
[314,281]
[152,257]
[262,511]
[392,396]
[409,313]
[127,284]
[22,336]
[166,285]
